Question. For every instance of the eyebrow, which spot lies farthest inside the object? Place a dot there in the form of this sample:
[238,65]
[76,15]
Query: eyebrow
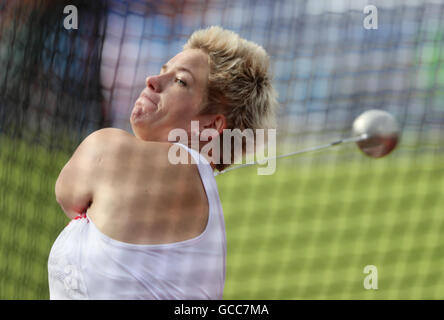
[165,68]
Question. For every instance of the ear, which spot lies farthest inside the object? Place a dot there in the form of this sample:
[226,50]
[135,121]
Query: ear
[217,122]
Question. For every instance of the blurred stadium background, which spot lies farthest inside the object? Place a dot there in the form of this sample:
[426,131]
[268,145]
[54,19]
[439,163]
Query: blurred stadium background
[306,232]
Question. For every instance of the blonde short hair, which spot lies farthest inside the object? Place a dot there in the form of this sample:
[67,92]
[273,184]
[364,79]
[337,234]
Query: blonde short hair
[239,81]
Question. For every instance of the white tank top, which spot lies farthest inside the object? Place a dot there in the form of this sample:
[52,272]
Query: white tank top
[84,263]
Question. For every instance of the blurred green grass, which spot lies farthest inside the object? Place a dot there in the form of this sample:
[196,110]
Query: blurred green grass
[306,232]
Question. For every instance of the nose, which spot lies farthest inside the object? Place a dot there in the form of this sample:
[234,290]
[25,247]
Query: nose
[153,83]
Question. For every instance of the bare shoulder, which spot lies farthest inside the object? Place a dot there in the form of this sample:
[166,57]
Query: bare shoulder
[140,190]
[77,181]
[121,155]
[109,132]
[114,142]
[106,137]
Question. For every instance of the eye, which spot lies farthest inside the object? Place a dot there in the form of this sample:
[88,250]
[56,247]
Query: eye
[181,82]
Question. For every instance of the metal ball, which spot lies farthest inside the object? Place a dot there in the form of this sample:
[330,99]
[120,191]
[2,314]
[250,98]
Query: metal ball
[382,132]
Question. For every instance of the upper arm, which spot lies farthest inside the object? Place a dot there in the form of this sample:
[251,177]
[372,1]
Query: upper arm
[74,188]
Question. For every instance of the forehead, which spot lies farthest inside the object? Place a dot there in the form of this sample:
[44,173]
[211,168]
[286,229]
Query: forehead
[193,59]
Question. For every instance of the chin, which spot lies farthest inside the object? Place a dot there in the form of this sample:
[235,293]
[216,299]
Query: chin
[138,131]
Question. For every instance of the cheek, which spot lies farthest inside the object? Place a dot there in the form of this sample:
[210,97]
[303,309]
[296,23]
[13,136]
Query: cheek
[184,109]
[181,107]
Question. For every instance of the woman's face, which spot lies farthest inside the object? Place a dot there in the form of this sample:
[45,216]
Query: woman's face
[173,98]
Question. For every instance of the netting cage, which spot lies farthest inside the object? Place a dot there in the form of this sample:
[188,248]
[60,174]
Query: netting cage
[309,230]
